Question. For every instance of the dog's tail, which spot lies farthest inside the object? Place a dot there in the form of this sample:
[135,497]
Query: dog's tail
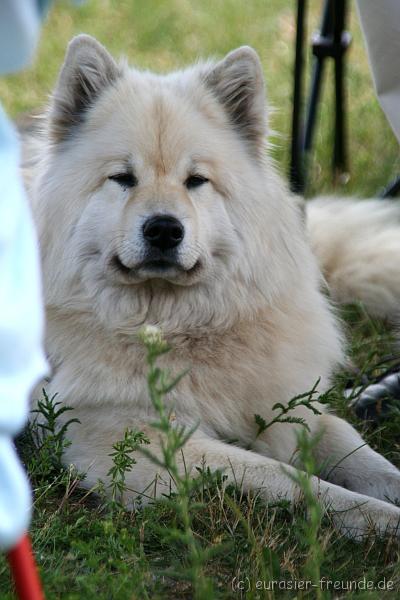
[357,243]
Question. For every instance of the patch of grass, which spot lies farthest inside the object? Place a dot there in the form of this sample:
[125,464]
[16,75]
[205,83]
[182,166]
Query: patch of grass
[205,539]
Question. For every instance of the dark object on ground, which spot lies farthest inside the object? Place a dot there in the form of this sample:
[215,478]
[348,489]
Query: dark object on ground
[378,400]
[392,190]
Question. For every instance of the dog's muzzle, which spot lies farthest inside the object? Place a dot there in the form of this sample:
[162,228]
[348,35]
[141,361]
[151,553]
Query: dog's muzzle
[161,236]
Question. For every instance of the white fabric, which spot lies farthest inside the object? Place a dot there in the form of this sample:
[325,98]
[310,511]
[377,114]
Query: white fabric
[380,22]
[19,30]
[22,361]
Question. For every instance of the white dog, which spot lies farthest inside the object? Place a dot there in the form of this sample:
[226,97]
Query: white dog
[156,203]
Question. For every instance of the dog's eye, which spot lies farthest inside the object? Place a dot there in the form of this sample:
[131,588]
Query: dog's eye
[194,181]
[125,180]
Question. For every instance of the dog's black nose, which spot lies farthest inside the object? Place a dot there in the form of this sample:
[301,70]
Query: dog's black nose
[163,232]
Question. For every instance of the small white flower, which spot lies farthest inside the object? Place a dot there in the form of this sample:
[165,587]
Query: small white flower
[151,335]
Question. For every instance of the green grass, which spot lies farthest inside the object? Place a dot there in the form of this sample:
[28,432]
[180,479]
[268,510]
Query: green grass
[85,547]
[88,547]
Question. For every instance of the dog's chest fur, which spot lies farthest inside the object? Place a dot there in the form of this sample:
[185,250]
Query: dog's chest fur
[232,375]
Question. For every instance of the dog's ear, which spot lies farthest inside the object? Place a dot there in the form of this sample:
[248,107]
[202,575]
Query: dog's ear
[238,83]
[88,69]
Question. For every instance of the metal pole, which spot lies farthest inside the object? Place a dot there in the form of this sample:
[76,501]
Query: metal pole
[296,164]
[339,157]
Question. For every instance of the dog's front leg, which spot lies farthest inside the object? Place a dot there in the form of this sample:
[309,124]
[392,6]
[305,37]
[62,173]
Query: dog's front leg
[352,512]
[349,462]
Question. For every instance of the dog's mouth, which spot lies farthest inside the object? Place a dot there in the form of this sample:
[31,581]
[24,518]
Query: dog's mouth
[161,268]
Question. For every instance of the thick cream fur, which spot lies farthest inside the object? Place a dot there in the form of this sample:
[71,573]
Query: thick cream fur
[358,247]
[252,324]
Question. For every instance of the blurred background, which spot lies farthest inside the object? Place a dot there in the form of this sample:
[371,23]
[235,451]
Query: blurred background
[161,35]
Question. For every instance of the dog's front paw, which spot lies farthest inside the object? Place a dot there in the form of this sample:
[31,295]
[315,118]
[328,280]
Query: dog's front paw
[370,518]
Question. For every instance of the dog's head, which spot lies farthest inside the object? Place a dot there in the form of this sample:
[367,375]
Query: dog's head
[156,184]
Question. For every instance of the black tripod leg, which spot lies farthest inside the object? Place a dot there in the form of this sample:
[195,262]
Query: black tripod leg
[339,157]
[316,80]
[313,103]
[296,159]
